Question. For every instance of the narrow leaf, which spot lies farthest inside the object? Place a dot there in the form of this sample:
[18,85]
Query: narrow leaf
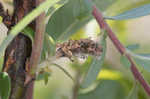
[95,66]
[143,63]
[49,47]
[133,47]
[4,85]
[142,60]
[131,14]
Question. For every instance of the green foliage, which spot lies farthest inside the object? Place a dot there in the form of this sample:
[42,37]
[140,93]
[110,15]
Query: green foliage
[4,85]
[145,63]
[63,23]
[125,61]
[133,13]
[25,21]
[95,65]
[133,47]
[67,20]
[143,60]
[133,93]
[29,32]
[43,76]
[82,9]
[107,89]
[103,4]
[49,47]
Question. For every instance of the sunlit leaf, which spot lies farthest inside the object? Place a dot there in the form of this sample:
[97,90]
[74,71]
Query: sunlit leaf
[133,13]
[107,89]
[95,66]
[4,85]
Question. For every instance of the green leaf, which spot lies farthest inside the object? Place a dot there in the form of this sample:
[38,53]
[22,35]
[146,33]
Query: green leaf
[125,61]
[4,85]
[131,14]
[55,7]
[133,94]
[95,66]
[82,9]
[49,47]
[144,63]
[29,32]
[133,47]
[43,76]
[63,23]
[107,89]
[25,21]
[104,4]
[142,60]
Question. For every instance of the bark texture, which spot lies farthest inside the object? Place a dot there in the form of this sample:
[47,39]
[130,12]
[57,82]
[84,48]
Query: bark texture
[18,51]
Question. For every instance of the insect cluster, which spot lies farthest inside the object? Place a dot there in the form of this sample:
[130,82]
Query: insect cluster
[83,46]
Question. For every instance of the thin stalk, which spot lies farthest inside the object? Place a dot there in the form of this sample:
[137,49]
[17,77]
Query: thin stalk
[103,25]
[37,45]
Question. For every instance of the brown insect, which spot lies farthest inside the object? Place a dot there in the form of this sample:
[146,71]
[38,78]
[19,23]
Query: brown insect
[72,47]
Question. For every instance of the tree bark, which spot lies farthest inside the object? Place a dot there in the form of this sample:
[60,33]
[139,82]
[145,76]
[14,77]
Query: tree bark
[18,52]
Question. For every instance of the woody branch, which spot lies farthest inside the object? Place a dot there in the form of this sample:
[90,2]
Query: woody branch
[103,25]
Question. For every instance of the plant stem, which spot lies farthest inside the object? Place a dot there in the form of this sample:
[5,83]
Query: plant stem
[102,23]
[38,42]
[76,85]
[36,51]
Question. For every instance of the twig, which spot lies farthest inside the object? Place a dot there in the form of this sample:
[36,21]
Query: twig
[37,46]
[36,52]
[76,85]
[102,23]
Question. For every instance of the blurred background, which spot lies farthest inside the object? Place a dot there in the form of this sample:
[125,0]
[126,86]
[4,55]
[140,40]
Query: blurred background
[114,78]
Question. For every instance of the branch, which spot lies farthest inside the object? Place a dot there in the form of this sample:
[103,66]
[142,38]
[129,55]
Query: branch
[37,46]
[102,23]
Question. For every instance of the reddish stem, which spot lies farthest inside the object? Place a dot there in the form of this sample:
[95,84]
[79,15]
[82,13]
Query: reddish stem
[103,25]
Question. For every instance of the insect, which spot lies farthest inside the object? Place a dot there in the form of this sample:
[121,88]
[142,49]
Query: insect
[74,47]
